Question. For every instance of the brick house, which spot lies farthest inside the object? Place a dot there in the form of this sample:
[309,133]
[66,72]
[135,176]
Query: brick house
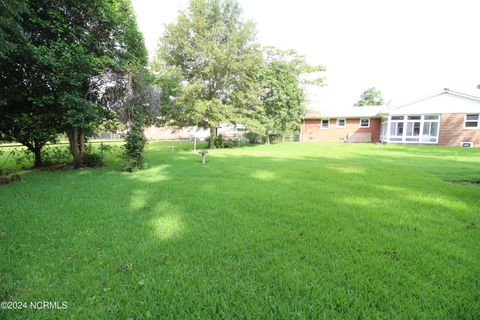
[447,118]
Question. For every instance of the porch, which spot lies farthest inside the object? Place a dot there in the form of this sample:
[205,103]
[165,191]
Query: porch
[416,128]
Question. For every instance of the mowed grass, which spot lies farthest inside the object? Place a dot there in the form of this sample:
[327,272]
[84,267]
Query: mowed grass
[287,231]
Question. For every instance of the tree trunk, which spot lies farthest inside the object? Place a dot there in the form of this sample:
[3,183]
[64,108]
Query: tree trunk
[75,149]
[211,140]
[81,143]
[38,157]
[37,153]
[267,136]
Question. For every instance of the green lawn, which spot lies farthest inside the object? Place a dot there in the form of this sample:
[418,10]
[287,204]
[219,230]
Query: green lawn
[288,231]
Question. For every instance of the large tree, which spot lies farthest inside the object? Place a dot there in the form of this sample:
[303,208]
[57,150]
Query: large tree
[210,52]
[65,44]
[135,102]
[10,25]
[370,97]
[283,93]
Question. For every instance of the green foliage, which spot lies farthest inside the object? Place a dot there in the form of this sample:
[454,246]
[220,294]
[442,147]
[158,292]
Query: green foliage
[283,97]
[134,147]
[92,160]
[208,60]
[10,25]
[104,149]
[253,137]
[370,97]
[308,73]
[45,80]
[56,155]
[136,102]
[219,142]
[51,155]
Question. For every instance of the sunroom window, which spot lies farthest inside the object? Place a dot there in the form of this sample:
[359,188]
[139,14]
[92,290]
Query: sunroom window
[414,128]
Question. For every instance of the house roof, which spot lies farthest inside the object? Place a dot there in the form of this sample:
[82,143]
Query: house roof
[445,101]
[352,112]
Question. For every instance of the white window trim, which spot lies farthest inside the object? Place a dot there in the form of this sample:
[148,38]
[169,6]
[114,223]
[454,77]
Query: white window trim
[344,122]
[360,122]
[465,122]
[321,123]
[404,136]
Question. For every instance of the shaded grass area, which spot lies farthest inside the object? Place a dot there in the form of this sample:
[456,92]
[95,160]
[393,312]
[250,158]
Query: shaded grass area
[284,231]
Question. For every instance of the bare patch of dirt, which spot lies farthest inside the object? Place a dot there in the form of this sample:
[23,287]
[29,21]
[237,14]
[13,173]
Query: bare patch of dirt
[61,166]
[66,166]
[123,267]
[471,226]
[392,254]
[6,179]
[474,182]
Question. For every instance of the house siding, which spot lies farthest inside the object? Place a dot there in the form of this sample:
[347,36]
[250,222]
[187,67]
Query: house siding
[453,132]
[312,131]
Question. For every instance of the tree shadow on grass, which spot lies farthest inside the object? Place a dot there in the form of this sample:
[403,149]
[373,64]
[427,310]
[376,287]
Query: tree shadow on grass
[244,235]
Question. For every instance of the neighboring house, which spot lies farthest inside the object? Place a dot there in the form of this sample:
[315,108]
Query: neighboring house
[166,133]
[447,118]
[356,124]
[190,133]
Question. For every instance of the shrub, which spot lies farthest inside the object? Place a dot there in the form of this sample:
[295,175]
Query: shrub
[219,142]
[104,148]
[92,160]
[21,156]
[253,137]
[56,155]
[135,141]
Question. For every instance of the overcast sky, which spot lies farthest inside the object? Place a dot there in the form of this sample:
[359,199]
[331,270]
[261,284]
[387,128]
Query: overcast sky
[405,48]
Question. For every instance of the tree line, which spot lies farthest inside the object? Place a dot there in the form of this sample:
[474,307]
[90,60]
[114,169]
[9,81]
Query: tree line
[74,67]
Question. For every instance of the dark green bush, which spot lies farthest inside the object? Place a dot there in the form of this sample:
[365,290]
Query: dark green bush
[56,155]
[135,141]
[219,143]
[92,160]
[253,137]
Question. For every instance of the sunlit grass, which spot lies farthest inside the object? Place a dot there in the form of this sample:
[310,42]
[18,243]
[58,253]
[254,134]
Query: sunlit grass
[294,230]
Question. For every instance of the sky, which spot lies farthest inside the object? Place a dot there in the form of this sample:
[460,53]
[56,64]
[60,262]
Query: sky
[406,48]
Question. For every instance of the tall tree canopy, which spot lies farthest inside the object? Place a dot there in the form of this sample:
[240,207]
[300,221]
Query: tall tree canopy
[45,81]
[283,96]
[370,97]
[10,24]
[208,56]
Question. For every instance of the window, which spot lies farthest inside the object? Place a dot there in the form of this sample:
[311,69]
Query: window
[413,129]
[383,129]
[364,122]
[430,131]
[471,120]
[396,129]
[341,122]
[325,123]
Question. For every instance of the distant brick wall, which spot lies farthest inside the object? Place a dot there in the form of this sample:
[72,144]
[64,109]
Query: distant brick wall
[453,132]
[312,131]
